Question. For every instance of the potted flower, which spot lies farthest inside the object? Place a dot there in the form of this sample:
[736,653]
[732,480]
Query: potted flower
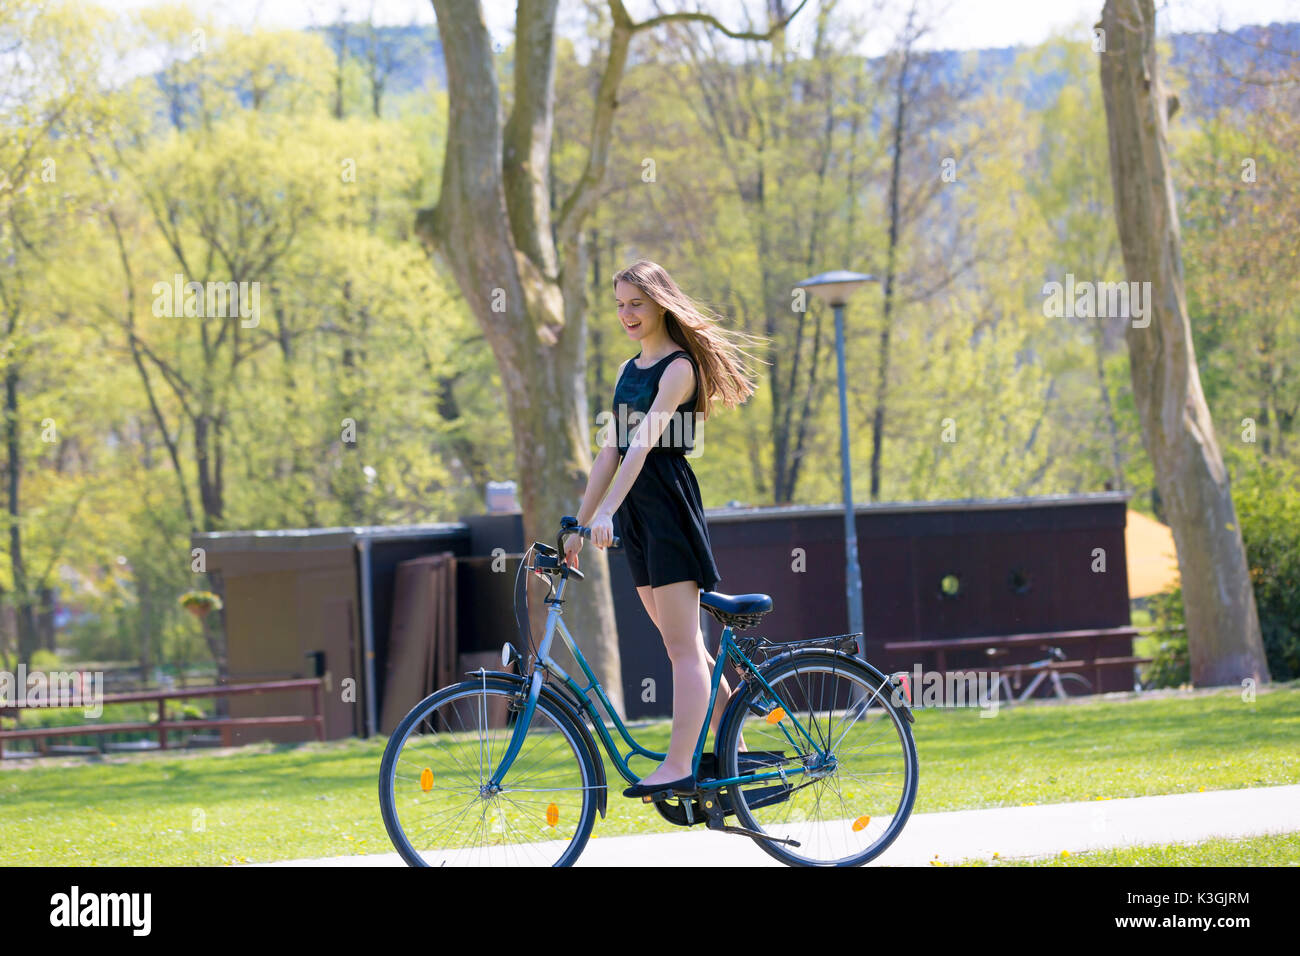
[200,603]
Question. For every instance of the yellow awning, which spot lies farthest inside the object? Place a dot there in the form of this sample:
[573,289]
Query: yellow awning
[1152,559]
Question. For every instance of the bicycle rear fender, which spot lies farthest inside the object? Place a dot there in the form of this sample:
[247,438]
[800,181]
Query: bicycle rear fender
[733,705]
[562,702]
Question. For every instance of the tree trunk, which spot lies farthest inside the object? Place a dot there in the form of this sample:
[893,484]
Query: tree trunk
[24,612]
[147,622]
[45,618]
[519,260]
[1223,635]
[492,228]
[886,317]
[1099,353]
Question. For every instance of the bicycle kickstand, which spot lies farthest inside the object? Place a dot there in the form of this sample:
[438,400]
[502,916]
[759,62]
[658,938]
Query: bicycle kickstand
[717,820]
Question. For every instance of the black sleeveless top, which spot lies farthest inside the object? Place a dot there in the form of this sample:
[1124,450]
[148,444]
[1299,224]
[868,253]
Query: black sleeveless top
[635,393]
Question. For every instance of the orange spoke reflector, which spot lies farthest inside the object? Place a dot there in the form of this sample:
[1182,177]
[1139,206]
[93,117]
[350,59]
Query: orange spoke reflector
[426,780]
[552,815]
[860,823]
[776,716]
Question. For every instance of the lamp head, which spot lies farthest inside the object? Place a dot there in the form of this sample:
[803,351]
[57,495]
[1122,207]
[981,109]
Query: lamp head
[834,288]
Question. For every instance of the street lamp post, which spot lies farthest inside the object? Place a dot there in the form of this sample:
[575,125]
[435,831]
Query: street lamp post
[834,288]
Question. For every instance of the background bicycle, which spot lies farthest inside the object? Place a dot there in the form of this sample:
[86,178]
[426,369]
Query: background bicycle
[1047,681]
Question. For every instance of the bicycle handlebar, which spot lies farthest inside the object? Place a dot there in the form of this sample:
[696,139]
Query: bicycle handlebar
[569,525]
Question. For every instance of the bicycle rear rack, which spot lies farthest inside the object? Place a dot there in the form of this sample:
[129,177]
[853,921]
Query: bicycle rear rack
[749,646]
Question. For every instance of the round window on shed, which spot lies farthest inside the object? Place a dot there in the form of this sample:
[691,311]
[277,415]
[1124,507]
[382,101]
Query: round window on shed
[1018,581]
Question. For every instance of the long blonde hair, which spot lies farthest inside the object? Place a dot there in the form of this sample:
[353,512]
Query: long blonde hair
[716,350]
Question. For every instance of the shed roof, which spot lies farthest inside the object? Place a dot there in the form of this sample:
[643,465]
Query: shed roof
[947,504]
[302,539]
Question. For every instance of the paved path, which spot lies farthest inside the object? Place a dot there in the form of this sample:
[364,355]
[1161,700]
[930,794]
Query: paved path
[964,834]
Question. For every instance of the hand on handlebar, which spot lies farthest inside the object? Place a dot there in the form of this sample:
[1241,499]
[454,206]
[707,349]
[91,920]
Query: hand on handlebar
[572,545]
[602,529]
[569,540]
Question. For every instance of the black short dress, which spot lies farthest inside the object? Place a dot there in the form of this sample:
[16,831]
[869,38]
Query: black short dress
[661,519]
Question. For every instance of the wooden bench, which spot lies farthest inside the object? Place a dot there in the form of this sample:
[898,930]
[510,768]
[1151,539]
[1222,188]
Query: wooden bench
[1092,636]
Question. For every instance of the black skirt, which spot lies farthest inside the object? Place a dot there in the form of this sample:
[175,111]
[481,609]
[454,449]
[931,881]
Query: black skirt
[662,527]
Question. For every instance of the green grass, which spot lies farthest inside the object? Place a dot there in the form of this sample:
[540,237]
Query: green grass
[273,802]
[1282,849]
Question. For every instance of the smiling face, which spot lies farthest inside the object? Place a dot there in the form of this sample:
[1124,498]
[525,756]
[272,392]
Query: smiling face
[642,316]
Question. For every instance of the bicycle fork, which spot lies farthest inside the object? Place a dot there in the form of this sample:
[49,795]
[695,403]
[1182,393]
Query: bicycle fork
[525,720]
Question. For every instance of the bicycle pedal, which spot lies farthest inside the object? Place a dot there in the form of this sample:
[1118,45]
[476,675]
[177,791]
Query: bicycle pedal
[668,794]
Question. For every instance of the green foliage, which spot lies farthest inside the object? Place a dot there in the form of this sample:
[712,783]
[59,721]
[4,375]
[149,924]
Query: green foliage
[1169,666]
[41,661]
[202,600]
[1267,501]
[129,713]
[367,394]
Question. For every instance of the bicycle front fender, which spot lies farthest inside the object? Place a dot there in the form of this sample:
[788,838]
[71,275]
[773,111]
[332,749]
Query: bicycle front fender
[553,696]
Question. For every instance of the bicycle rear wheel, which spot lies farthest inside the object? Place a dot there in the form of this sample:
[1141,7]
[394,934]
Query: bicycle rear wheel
[433,791]
[847,808]
[1075,685]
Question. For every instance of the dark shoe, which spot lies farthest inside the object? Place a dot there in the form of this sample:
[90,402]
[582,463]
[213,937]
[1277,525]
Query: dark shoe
[684,785]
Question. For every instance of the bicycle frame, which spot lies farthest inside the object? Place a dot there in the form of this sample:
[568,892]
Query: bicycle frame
[1028,692]
[728,651]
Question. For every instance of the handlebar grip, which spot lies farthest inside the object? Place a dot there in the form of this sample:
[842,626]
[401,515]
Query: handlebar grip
[586,533]
[569,525]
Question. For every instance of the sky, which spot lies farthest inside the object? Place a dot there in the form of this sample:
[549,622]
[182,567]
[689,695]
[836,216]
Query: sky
[960,24]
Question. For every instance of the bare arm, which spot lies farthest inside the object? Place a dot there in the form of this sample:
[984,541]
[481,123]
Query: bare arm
[602,473]
[674,388]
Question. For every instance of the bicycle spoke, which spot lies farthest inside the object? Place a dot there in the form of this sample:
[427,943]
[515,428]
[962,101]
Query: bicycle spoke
[865,708]
[452,822]
[834,821]
[523,844]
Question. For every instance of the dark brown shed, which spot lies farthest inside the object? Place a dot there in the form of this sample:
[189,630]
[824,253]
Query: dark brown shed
[1021,565]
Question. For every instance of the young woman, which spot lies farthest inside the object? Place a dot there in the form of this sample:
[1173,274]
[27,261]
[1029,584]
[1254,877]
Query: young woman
[686,361]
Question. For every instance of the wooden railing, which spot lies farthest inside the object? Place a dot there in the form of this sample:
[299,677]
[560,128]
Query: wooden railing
[163,725]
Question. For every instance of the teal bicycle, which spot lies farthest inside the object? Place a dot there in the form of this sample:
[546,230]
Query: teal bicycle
[502,769]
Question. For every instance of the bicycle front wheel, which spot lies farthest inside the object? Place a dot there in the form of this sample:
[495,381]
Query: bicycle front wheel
[846,807]
[433,782]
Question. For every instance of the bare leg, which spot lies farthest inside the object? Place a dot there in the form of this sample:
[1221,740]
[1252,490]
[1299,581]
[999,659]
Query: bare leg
[649,599]
[720,704]
[677,609]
